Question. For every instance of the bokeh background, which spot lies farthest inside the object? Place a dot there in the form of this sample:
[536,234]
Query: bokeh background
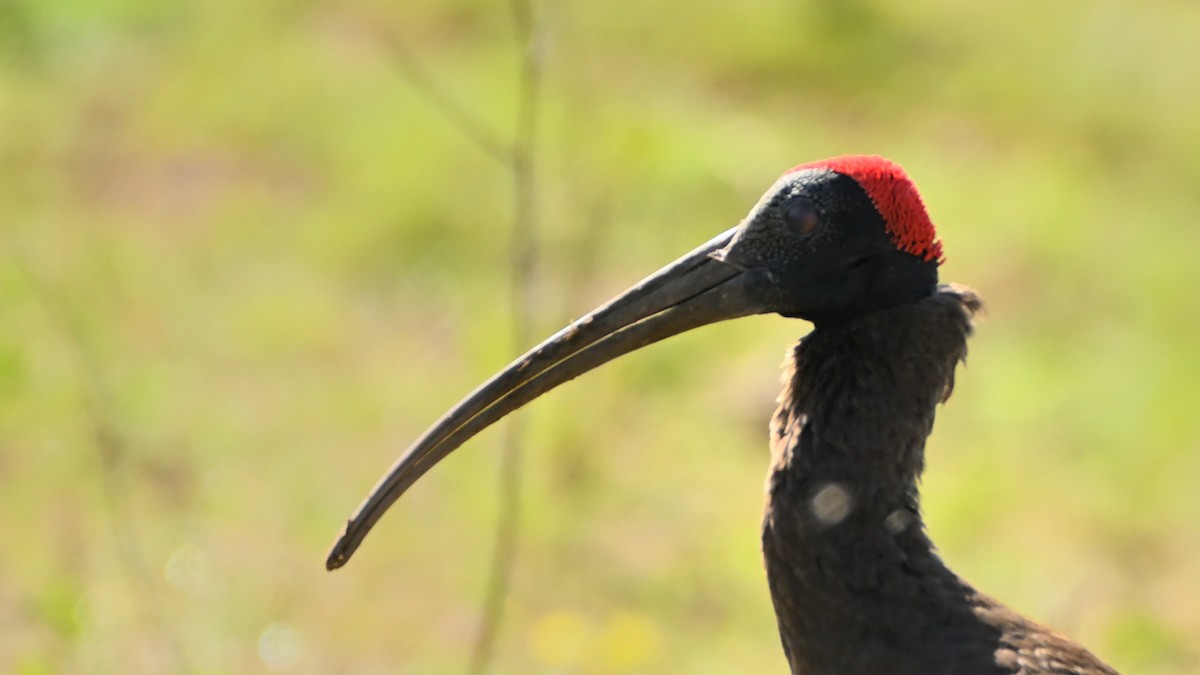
[245,258]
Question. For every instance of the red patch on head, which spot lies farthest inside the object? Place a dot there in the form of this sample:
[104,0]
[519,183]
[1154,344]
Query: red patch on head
[894,196]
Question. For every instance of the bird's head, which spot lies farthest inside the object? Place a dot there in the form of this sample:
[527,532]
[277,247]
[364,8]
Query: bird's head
[839,237]
[829,241]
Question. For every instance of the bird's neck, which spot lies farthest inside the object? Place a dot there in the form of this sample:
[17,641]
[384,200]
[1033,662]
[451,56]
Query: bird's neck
[842,533]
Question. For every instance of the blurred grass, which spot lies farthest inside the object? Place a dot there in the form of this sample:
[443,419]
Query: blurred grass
[286,264]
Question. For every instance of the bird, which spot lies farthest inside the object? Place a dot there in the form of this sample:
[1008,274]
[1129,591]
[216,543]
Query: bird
[847,244]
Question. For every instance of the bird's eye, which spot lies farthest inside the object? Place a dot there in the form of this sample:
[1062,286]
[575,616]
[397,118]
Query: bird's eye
[801,218]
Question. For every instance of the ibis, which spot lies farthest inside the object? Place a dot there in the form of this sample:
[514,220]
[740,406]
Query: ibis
[858,587]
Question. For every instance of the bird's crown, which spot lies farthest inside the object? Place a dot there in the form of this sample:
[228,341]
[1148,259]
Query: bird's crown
[894,196]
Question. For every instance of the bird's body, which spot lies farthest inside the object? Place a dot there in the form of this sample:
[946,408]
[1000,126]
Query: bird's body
[845,243]
[857,585]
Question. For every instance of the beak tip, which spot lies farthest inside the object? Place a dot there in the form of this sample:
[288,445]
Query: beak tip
[342,549]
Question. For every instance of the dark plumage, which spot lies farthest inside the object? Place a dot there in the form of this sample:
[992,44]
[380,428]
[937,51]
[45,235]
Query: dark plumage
[856,583]
[858,589]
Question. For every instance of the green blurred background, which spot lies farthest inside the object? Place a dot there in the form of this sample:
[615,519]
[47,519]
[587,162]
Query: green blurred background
[244,260]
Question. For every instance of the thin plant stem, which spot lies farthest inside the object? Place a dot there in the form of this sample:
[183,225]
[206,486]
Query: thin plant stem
[112,450]
[523,257]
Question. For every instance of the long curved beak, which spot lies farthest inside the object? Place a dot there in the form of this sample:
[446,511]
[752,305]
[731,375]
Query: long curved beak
[700,288]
